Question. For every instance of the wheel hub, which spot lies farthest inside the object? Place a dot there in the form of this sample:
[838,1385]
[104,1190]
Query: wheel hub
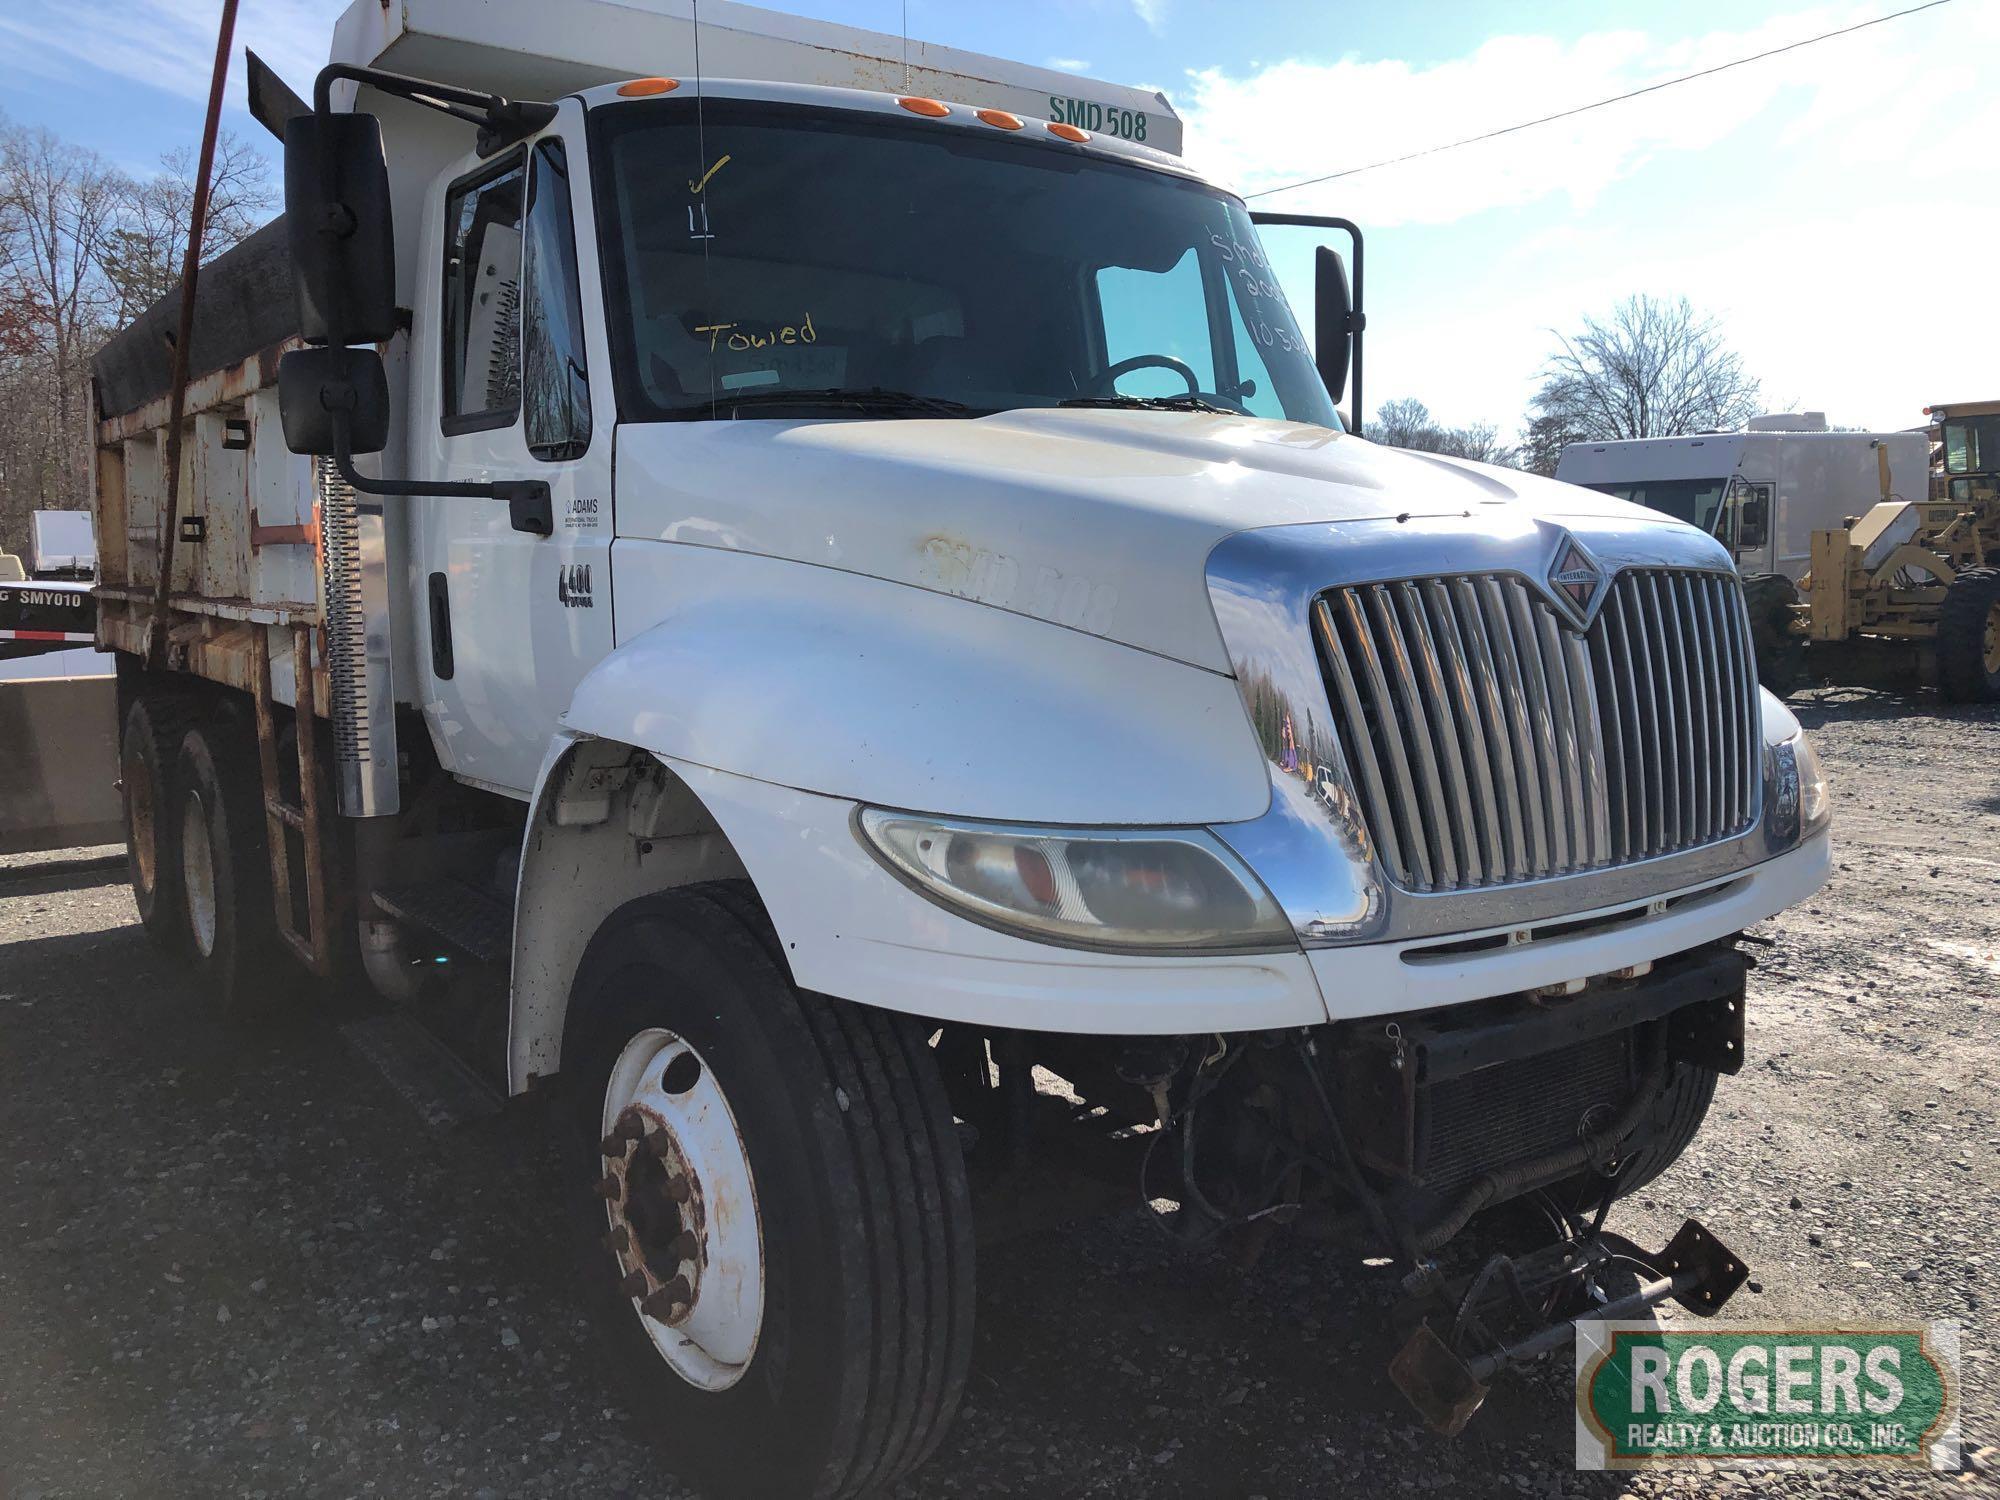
[656,1218]
[681,1207]
[198,875]
[139,805]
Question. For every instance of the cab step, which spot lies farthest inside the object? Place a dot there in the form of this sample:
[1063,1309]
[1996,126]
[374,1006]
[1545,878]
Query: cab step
[476,922]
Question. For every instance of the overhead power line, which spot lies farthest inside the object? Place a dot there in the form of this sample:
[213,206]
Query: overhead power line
[1651,88]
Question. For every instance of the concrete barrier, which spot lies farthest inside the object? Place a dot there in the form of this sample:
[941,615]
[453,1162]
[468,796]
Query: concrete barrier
[59,764]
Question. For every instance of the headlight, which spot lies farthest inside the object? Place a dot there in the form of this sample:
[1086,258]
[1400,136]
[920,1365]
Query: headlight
[1147,889]
[1801,804]
[1815,800]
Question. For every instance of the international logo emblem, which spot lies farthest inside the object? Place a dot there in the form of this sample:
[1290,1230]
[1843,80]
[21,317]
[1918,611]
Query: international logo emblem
[1575,579]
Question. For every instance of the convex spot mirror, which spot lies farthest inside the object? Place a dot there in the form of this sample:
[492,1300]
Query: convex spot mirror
[340,229]
[320,389]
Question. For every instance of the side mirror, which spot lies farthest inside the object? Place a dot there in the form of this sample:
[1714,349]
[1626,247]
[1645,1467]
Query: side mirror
[1333,321]
[339,224]
[321,391]
[1338,320]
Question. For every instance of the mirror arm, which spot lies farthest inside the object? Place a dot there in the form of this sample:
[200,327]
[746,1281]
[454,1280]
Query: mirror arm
[1356,320]
[528,503]
[501,121]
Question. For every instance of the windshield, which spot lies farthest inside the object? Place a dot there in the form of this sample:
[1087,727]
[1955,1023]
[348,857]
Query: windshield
[1692,500]
[1972,445]
[777,260]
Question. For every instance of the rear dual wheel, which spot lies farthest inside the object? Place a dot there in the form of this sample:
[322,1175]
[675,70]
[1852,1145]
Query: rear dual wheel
[774,1205]
[225,869]
[148,745]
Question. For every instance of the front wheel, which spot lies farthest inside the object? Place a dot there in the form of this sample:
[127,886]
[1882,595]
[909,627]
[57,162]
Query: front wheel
[775,1209]
[1968,638]
[1772,602]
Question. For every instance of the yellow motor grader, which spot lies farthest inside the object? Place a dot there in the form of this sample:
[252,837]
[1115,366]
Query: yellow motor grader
[1910,584]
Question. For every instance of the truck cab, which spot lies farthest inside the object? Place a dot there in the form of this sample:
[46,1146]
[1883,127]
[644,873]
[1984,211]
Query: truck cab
[827,606]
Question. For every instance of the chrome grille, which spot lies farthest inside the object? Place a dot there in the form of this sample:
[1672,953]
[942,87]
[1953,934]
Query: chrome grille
[1490,743]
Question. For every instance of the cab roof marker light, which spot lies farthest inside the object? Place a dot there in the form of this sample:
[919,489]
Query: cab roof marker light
[639,88]
[1067,132]
[929,108]
[1000,119]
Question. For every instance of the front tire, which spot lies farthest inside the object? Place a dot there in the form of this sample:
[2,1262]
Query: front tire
[1772,600]
[1968,638]
[774,1203]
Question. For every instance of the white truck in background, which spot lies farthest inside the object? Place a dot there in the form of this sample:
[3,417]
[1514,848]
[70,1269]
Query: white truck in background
[1761,492]
[828,600]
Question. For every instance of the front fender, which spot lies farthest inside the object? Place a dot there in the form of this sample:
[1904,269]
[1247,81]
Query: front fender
[852,687]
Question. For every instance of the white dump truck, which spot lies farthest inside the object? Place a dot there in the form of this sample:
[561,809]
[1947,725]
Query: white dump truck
[852,607]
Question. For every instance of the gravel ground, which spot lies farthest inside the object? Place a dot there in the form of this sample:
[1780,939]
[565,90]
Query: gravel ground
[240,1264]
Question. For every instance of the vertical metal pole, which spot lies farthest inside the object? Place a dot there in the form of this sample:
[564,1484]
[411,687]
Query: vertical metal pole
[156,644]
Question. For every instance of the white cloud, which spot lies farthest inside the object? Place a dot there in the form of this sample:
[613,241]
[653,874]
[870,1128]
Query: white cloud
[1873,93]
[1152,12]
[1068,64]
[169,44]
[1826,205]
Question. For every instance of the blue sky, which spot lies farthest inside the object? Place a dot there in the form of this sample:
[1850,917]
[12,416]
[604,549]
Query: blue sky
[1834,208]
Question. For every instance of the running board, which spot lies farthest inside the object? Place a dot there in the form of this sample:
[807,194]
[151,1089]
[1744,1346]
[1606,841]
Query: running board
[473,921]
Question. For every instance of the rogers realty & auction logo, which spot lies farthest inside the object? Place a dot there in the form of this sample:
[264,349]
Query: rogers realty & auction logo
[1649,1396]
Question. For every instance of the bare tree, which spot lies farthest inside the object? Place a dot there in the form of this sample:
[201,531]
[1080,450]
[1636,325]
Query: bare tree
[1653,368]
[142,259]
[84,249]
[1407,423]
[58,205]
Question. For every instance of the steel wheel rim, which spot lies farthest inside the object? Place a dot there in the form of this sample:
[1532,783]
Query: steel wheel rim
[1992,652]
[681,1210]
[141,837]
[198,874]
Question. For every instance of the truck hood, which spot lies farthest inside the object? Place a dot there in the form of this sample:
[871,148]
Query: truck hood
[1099,520]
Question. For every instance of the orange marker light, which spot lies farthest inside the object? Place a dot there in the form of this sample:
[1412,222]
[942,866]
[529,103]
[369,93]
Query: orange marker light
[638,88]
[1000,119]
[1068,132]
[927,107]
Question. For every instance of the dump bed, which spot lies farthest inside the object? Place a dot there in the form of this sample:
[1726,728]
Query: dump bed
[245,555]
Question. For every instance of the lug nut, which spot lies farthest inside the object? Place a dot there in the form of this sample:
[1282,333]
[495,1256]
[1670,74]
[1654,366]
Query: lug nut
[677,1189]
[608,1188]
[634,1284]
[661,1306]
[613,1146]
[661,1143]
[683,1246]
[669,1301]
[619,1240]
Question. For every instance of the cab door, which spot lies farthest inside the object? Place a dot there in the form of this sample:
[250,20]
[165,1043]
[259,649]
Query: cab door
[518,390]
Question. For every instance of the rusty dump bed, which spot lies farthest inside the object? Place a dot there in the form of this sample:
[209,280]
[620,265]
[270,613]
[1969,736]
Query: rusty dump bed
[244,304]
[245,572]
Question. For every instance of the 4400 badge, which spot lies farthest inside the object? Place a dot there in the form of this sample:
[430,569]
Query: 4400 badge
[1649,1396]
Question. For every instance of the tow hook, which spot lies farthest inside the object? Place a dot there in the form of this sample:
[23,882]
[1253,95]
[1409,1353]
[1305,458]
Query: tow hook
[1446,1367]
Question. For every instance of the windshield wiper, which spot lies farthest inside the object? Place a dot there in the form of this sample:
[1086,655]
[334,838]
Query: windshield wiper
[1188,401]
[875,400]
